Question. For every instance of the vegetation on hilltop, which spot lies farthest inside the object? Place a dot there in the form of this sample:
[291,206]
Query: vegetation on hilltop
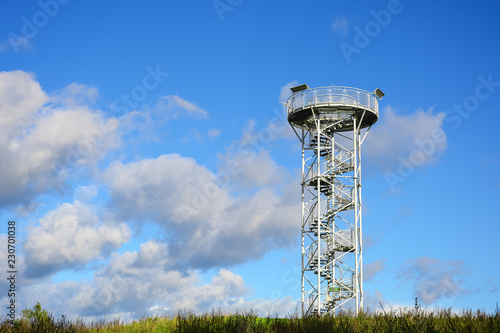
[404,320]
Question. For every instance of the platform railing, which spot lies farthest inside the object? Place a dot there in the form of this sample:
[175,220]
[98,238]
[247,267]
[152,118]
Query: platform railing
[331,96]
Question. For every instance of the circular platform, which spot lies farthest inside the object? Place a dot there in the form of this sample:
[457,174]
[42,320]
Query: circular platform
[332,105]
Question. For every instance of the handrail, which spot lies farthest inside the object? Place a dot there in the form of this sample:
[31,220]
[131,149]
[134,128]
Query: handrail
[331,96]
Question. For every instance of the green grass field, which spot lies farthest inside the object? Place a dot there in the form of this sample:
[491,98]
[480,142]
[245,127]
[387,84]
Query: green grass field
[404,320]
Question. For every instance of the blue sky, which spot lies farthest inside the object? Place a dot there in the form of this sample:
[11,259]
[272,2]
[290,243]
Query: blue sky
[148,164]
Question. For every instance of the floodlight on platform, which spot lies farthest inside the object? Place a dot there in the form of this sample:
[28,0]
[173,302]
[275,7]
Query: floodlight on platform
[378,93]
[299,88]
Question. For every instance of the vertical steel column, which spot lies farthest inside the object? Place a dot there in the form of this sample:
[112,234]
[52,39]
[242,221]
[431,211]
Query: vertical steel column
[357,185]
[303,222]
[318,212]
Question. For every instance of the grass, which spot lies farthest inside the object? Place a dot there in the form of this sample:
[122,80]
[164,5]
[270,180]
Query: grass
[404,320]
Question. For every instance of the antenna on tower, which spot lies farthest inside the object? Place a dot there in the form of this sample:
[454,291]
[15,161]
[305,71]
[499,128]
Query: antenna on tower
[328,122]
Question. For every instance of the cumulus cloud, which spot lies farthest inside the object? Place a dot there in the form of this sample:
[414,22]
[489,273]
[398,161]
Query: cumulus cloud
[138,283]
[254,169]
[434,280]
[21,97]
[209,219]
[68,237]
[141,282]
[340,25]
[402,137]
[132,281]
[41,144]
[207,226]
[248,163]
[156,188]
[76,94]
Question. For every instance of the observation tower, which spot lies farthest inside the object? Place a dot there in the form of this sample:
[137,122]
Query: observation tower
[331,123]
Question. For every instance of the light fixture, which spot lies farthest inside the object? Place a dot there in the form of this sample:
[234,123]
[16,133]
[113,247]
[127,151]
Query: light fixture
[378,93]
[299,88]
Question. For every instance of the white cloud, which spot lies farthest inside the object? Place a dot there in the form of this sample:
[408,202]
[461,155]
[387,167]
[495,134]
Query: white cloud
[147,125]
[177,106]
[85,194]
[398,137]
[138,283]
[133,282]
[222,292]
[285,91]
[375,302]
[40,145]
[280,126]
[253,169]
[76,94]
[213,133]
[434,280]
[370,270]
[249,164]
[206,225]
[21,97]
[139,127]
[68,237]
[156,188]
[281,307]
[340,25]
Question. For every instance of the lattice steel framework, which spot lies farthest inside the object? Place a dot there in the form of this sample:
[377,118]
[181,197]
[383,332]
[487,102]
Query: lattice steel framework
[329,122]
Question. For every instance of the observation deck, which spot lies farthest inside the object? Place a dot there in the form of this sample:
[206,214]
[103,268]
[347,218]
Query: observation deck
[333,105]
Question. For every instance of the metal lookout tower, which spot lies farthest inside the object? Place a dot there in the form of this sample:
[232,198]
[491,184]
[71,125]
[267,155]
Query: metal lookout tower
[331,123]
